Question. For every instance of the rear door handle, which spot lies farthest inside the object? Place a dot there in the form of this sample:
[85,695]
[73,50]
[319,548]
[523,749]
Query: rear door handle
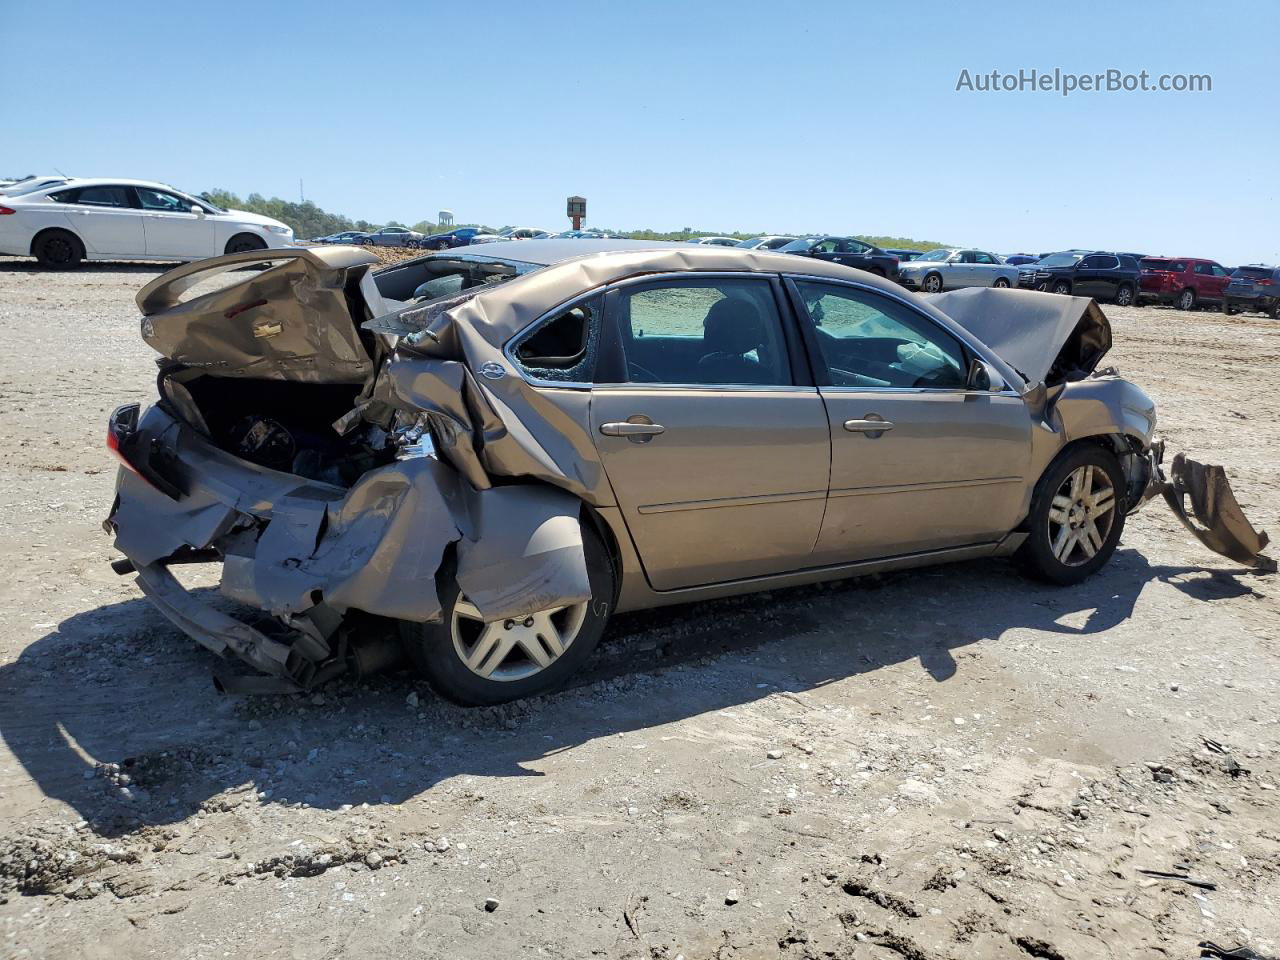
[637,430]
[871,425]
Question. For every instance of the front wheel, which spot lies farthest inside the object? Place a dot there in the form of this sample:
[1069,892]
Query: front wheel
[1077,515]
[476,664]
[242,242]
[933,283]
[1001,283]
[1062,287]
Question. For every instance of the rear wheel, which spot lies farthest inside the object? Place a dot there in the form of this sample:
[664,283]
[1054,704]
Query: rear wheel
[1062,287]
[245,241]
[58,250]
[933,283]
[1124,296]
[1077,516]
[476,664]
[1187,299]
[1001,282]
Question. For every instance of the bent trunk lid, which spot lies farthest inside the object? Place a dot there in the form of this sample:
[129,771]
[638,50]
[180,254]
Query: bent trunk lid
[297,320]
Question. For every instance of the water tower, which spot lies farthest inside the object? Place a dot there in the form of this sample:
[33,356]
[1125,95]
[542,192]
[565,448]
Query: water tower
[445,218]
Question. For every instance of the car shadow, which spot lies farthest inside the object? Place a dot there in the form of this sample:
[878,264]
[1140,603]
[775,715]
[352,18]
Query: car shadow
[87,266]
[118,685]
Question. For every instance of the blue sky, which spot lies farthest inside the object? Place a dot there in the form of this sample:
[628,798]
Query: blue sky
[789,117]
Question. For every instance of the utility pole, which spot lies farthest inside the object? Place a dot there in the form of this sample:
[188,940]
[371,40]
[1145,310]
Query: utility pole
[302,198]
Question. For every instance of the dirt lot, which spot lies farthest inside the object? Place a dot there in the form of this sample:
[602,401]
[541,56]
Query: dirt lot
[952,763]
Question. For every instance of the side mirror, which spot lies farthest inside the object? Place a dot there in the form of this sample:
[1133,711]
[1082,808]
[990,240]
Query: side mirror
[982,378]
[197,210]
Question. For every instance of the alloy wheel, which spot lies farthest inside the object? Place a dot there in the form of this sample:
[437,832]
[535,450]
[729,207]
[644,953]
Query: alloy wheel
[1081,515]
[933,284]
[1188,300]
[1124,296]
[1001,282]
[507,650]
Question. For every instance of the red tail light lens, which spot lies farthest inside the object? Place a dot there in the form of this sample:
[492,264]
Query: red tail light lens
[7,211]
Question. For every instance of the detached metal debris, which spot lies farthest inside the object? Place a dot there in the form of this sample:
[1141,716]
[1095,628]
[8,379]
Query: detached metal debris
[1222,527]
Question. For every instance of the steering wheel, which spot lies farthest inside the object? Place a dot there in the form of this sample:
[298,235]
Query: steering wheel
[638,374]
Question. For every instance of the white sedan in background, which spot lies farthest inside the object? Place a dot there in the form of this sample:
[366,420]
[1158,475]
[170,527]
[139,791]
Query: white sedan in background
[949,268]
[63,223]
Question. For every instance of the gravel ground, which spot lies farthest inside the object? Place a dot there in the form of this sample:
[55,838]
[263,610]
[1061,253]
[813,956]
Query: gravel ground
[938,764]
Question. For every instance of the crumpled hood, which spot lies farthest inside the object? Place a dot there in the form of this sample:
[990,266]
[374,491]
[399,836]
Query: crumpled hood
[1047,337]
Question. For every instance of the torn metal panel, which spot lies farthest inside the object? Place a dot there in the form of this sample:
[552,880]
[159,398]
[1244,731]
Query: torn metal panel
[1049,338]
[292,321]
[1219,522]
[524,553]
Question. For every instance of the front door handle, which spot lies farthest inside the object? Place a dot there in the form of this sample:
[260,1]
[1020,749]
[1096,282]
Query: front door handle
[873,425]
[637,429]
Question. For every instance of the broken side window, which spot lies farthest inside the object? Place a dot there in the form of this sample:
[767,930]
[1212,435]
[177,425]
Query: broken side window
[562,347]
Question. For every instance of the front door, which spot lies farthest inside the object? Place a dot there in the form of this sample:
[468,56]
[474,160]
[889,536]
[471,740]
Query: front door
[918,461]
[172,228]
[716,448]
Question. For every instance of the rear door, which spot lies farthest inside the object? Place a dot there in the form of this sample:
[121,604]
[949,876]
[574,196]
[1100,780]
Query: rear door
[716,447]
[172,227]
[106,219]
[918,461]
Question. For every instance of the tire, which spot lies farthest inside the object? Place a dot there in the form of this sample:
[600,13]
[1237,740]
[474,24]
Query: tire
[1001,283]
[932,283]
[245,241]
[437,655]
[1124,296]
[1275,311]
[1049,521]
[1062,288]
[58,250]
[1186,300]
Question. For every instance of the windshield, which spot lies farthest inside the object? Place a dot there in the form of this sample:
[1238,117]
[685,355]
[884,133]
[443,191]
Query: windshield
[797,246]
[752,242]
[1059,260]
[935,255]
[204,202]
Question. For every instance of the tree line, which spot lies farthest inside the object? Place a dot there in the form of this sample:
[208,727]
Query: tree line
[310,221]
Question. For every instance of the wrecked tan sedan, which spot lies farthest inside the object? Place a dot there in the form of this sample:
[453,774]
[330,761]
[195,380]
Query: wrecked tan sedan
[477,457]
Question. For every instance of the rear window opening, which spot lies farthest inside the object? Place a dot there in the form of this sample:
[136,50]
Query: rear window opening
[430,278]
[1254,273]
[561,348]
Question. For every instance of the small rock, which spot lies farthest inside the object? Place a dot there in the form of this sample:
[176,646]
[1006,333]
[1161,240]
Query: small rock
[731,897]
[412,698]
[1000,835]
[442,844]
[373,860]
[774,754]
[491,904]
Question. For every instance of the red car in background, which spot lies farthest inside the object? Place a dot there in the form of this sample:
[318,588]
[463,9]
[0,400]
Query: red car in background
[1185,282]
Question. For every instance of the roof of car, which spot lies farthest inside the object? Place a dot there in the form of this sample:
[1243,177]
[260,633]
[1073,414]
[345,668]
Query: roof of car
[573,267]
[111,181]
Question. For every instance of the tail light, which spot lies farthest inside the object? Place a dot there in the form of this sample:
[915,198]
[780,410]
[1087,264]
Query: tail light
[1264,282]
[7,211]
